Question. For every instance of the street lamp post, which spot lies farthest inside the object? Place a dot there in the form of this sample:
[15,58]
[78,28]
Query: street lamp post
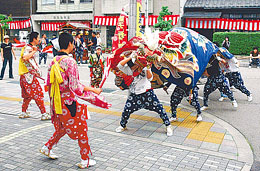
[146,13]
[132,19]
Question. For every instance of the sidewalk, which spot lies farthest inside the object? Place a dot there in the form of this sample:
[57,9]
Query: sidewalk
[209,145]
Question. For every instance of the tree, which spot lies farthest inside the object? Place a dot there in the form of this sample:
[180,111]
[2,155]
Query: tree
[3,21]
[162,24]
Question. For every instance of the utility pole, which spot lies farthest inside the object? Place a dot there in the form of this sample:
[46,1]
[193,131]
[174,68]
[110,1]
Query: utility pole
[146,13]
[132,19]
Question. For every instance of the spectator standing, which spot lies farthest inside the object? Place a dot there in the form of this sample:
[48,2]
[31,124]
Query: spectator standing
[6,56]
[99,41]
[79,48]
[43,43]
[93,43]
[226,43]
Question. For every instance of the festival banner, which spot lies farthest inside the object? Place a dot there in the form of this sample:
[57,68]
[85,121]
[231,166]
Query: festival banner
[121,36]
[138,18]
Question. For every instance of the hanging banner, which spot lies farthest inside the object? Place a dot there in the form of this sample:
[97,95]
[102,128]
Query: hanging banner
[138,18]
[120,37]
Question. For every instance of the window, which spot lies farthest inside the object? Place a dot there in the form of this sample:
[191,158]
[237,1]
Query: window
[47,2]
[249,16]
[67,1]
[84,1]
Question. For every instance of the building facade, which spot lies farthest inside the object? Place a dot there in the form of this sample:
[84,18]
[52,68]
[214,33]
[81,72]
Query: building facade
[20,12]
[209,16]
[107,10]
[51,14]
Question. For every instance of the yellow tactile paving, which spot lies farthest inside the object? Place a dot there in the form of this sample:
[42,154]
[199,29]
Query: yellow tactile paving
[168,109]
[189,122]
[182,114]
[200,131]
[202,128]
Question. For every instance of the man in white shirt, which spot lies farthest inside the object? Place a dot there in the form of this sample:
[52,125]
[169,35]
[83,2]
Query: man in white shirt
[231,67]
[99,41]
[141,95]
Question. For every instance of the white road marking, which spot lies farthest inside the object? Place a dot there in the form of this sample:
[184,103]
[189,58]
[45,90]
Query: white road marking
[22,132]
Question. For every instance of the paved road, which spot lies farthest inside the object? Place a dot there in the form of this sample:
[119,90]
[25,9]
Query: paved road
[246,118]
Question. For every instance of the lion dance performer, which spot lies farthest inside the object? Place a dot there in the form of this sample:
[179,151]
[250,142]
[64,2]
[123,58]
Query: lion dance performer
[68,116]
[29,72]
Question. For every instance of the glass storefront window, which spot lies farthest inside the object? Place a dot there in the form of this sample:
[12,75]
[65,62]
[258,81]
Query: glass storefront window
[66,1]
[48,2]
[85,1]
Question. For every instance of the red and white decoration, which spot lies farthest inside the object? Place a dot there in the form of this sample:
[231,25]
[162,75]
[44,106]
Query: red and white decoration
[17,25]
[152,20]
[54,26]
[51,26]
[223,24]
[105,20]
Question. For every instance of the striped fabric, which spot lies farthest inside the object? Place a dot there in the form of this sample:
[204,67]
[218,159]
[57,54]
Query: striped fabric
[17,25]
[51,26]
[112,20]
[223,24]
[54,26]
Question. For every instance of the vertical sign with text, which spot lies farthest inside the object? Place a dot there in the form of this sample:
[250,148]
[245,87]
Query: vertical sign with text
[138,18]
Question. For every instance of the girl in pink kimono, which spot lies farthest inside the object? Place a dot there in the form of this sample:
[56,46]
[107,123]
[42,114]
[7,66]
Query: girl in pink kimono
[68,116]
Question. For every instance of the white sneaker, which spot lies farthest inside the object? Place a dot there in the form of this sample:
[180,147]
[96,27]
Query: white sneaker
[49,153]
[173,119]
[221,99]
[257,67]
[232,88]
[85,163]
[204,108]
[120,129]
[199,118]
[169,130]
[250,98]
[23,115]
[249,67]
[45,117]
[234,103]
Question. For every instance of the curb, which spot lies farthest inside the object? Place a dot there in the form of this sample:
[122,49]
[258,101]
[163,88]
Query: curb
[244,149]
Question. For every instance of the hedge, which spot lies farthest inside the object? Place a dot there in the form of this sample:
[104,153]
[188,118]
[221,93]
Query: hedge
[241,43]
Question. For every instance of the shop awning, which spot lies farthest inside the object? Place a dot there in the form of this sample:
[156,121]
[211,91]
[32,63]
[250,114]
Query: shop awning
[222,4]
[75,25]
[56,26]
[20,24]
[152,20]
[224,24]
[202,15]
[51,26]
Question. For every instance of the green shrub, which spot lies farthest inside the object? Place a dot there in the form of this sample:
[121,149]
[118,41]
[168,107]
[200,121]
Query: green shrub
[241,43]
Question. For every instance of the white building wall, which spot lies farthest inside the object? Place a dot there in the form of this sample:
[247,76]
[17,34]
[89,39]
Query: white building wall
[57,7]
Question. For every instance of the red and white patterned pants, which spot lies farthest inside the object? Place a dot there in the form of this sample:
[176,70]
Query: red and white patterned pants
[76,128]
[32,91]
